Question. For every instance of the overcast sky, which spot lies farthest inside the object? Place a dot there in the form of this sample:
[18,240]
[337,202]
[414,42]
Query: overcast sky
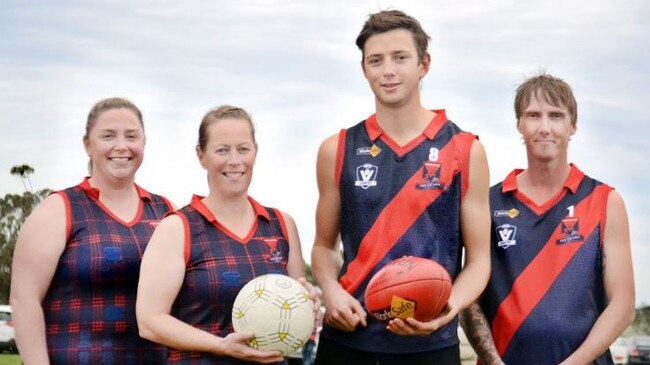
[294,66]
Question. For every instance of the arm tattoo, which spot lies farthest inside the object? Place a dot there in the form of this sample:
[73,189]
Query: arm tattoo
[479,334]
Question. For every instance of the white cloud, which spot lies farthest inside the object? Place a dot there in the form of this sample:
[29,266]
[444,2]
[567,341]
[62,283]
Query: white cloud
[294,66]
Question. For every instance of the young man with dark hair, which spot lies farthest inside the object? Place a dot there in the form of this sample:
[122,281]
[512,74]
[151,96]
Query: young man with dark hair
[405,181]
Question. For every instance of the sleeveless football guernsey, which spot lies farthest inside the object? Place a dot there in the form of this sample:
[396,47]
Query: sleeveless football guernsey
[546,289]
[396,201]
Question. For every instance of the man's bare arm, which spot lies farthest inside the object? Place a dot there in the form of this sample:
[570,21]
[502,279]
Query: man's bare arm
[479,334]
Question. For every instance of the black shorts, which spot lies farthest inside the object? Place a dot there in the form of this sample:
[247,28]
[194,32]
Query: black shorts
[333,353]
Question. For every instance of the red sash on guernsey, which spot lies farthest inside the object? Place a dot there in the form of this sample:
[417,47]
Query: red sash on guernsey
[537,278]
[400,214]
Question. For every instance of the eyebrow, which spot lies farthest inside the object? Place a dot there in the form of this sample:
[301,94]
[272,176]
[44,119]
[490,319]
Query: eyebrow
[111,130]
[391,52]
[553,111]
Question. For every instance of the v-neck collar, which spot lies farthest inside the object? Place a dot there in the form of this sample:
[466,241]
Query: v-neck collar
[375,131]
[570,185]
[260,211]
[93,193]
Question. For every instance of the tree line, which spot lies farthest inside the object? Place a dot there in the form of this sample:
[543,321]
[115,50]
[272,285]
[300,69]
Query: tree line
[14,209]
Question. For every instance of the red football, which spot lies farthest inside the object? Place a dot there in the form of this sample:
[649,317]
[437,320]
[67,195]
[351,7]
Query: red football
[408,287]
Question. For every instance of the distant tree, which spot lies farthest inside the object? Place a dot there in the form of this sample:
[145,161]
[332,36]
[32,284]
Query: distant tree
[24,171]
[308,275]
[14,209]
[641,323]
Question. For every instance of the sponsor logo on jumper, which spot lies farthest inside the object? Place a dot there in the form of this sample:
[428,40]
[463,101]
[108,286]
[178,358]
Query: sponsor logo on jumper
[506,233]
[373,151]
[366,176]
[430,176]
[570,229]
[275,254]
[506,213]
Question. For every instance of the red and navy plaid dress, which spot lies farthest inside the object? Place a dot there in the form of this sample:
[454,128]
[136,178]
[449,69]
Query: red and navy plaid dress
[218,264]
[90,305]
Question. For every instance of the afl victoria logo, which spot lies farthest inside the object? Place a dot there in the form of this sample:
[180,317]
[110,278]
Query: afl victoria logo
[366,176]
[506,234]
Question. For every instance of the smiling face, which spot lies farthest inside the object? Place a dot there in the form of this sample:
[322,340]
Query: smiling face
[115,144]
[229,156]
[392,67]
[546,130]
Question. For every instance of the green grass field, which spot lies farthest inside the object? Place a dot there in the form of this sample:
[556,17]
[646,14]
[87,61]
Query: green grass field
[6,359]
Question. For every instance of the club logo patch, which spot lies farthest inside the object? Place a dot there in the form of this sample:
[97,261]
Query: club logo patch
[366,176]
[506,234]
[369,151]
[430,176]
[275,253]
[570,227]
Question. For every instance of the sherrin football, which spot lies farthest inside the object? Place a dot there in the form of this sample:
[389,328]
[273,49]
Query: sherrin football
[278,310]
[408,287]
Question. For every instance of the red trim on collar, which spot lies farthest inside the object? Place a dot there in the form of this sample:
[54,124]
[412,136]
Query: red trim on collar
[143,193]
[197,204]
[436,123]
[259,209]
[373,128]
[572,182]
[375,131]
[574,179]
[85,186]
[510,182]
[94,192]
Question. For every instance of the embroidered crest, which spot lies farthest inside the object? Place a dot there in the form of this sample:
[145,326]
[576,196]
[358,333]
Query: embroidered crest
[506,234]
[276,254]
[366,176]
[430,176]
[570,227]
